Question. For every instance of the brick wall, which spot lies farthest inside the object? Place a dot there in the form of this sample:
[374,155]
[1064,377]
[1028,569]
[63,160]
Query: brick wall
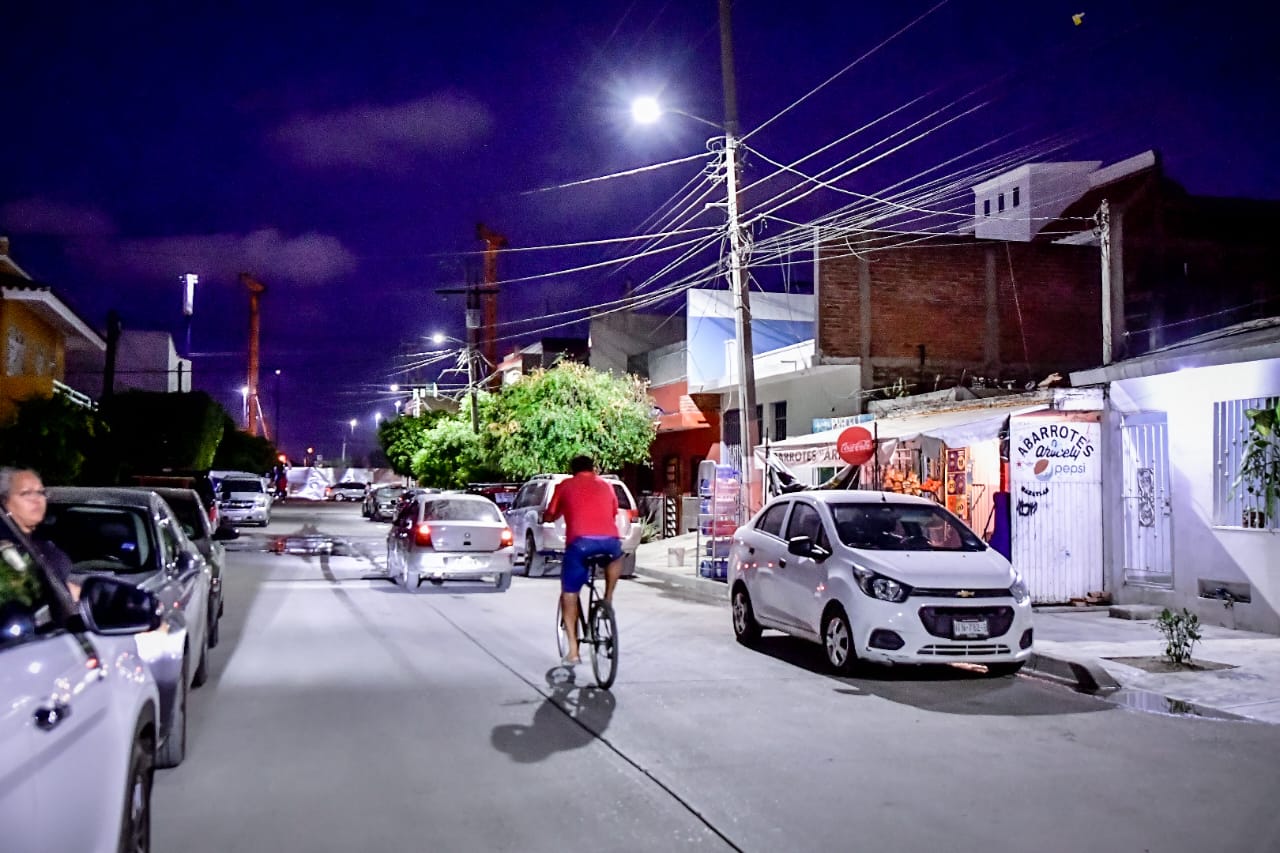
[935,293]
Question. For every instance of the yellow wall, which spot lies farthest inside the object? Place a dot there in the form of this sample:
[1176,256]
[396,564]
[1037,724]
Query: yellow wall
[43,343]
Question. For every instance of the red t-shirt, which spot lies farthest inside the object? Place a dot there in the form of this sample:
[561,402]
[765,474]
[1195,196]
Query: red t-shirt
[588,504]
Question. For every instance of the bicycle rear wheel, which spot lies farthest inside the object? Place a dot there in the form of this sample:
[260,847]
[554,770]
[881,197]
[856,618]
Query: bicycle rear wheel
[604,643]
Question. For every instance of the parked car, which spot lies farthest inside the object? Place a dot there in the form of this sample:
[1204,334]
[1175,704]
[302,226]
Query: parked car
[381,503]
[191,514]
[200,481]
[134,536]
[450,537]
[348,490]
[502,494]
[538,544]
[78,730]
[878,576]
[244,500]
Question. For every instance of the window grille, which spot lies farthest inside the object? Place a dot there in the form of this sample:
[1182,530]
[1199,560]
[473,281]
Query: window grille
[1234,505]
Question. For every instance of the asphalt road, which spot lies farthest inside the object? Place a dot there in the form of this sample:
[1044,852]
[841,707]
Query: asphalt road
[345,713]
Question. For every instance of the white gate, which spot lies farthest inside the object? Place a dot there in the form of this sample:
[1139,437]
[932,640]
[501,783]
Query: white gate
[1055,480]
[1148,539]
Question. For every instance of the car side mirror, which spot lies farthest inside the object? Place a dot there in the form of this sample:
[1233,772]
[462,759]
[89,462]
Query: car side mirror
[111,606]
[804,546]
[224,533]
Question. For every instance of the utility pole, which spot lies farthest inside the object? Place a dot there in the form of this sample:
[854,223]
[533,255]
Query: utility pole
[1104,239]
[256,289]
[113,346]
[493,241]
[737,278]
[473,331]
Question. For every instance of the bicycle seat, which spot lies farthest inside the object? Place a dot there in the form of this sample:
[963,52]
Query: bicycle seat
[598,561]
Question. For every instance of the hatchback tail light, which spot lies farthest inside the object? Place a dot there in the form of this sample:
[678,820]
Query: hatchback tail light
[422,535]
[507,537]
[633,515]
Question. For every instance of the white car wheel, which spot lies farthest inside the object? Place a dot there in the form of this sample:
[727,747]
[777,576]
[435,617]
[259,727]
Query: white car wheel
[837,642]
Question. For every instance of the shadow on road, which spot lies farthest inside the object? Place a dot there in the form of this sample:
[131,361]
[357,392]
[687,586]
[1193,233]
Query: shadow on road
[941,688]
[588,709]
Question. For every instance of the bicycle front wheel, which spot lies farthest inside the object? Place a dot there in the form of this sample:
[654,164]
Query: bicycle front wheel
[604,643]
[562,639]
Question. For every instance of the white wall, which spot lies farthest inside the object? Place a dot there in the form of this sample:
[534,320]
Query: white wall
[1201,549]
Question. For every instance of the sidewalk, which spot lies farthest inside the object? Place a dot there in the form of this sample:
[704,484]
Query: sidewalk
[1078,646]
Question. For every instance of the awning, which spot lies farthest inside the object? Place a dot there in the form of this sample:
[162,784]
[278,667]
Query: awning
[955,428]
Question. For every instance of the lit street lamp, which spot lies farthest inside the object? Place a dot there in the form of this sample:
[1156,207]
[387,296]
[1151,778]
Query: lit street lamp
[244,404]
[646,111]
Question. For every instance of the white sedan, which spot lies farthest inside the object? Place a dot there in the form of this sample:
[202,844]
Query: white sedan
[880,577]
[450,537]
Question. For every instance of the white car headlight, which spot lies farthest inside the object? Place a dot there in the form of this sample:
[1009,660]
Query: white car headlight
[260,500]
[880,587]
[1018,589]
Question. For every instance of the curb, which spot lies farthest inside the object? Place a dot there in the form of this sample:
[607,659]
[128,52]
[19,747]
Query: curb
[698,589]
[1085,676]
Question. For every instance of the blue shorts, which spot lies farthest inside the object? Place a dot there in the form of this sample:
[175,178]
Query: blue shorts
[573,570]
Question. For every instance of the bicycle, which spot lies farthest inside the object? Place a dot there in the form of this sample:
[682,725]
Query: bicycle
[597,629]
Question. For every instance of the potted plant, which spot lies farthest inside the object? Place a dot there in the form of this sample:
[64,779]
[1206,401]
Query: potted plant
[1260,464]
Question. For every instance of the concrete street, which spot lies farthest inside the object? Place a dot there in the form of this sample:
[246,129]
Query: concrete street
[345,713]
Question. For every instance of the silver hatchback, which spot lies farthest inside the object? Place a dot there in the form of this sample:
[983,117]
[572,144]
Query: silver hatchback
[450,537]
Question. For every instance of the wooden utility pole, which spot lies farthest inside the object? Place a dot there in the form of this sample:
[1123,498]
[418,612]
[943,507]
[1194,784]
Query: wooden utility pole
[256,289]
[493,241]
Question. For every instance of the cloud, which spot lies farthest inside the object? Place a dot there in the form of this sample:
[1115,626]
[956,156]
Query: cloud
[385,136]
[307,259]
[46,216]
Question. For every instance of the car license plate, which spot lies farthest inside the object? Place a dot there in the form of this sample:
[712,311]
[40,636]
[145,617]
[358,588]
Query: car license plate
[463,563]
[968,628]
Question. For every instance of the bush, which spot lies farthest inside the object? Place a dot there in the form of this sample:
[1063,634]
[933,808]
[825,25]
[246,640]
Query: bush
[1181,632]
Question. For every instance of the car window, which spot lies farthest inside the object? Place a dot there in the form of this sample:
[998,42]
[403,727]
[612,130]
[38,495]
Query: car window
[538,493]
[902,527]
[448,510]
[191,516]
[771,521]
[624,496]
[805,521]
[27,602]
[229,486]
[100,538]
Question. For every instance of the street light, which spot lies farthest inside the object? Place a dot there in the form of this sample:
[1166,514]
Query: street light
[377,419]
[244,405]
[647,110]
[353,423]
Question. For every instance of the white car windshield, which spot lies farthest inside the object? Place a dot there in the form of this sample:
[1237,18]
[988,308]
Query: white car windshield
[229,486]
[902,527]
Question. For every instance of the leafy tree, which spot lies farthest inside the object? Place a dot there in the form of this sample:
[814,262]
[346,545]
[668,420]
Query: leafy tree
[452,454]
[541,422]
[154,431]
[239,451]
[402,437]
[52,435]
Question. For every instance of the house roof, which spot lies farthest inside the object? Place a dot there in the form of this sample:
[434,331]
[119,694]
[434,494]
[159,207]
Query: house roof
[41,300]
[1253,340]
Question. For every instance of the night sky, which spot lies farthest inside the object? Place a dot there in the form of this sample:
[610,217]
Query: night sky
[343,153]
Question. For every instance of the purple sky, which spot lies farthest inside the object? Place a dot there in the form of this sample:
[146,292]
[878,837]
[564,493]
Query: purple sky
[344,154]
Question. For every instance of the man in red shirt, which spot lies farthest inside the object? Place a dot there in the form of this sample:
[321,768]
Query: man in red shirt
[590,510]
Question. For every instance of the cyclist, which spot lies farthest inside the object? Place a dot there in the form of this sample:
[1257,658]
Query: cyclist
[590,511]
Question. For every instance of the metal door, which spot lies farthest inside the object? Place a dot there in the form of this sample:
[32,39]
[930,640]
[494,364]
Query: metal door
[1055,481]
[1148,534]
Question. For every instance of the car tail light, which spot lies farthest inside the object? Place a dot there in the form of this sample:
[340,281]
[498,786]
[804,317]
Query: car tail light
[422,535]
[508,538]
[633,515]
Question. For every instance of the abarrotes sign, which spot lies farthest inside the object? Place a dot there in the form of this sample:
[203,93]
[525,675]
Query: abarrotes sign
[1056,451]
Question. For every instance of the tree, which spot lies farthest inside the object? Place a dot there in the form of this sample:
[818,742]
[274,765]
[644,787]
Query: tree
[541,422]
[239,451]
[154,431]
[54,436]
[402,437]
[452,454]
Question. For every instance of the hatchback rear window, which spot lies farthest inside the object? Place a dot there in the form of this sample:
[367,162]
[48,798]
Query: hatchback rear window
[460,511]
[624,497]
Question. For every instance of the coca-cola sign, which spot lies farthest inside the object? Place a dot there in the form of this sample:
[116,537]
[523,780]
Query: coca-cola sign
[856,445]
